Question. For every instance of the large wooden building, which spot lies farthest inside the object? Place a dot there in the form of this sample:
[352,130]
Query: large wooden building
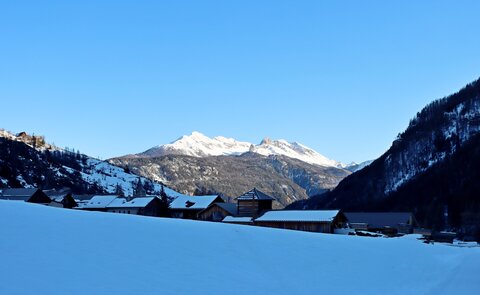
[304,220]
[146,206]
[253,203]
[31,195]
[188,207]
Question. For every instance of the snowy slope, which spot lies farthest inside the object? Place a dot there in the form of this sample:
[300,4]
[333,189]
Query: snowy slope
[199,145]
[108,176]
[77,252]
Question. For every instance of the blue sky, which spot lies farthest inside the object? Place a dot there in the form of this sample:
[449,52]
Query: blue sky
[343,77]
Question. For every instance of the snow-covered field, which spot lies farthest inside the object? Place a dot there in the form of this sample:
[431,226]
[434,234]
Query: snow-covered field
[46,250]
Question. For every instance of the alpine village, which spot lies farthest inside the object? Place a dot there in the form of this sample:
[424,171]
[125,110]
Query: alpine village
[426,183]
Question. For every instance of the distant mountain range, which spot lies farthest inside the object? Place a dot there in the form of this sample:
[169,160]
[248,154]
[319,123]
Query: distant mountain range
[193,164]
[198,164]
[199,145]
[432,168]
[28,161]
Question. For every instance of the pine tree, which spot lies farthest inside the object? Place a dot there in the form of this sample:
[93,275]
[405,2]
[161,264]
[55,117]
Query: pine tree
[139,190]
[119,191]
[164,204]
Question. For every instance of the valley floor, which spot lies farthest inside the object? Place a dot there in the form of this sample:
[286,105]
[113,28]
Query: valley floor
[46,250]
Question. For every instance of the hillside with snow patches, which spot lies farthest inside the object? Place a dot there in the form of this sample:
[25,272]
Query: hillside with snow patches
[27,161]
[108,176]
[47,250]
[199,145]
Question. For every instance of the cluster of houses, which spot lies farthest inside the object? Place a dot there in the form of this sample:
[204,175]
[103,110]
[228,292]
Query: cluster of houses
[251,208]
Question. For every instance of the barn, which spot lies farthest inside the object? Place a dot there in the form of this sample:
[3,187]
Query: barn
[188,207]
[146,206]
[100,203]
[322,221]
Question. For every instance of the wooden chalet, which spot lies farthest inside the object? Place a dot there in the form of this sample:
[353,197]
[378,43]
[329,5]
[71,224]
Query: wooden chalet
[100,203]
[188,207]
[389,223]
[218,211]
[253,203]
[31,195]
[304,220]
[146,206]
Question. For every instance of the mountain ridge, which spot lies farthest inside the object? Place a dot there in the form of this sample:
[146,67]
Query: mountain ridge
[199,145]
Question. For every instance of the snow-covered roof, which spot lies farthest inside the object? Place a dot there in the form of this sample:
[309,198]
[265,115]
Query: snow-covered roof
[85,197]
[98,202]
[255,194]
[138,202]
[299,215]
[118,202]
[237,219]
[193,202]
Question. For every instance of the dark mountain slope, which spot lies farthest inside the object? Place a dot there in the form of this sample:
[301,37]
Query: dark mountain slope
[453,183]
[431,165]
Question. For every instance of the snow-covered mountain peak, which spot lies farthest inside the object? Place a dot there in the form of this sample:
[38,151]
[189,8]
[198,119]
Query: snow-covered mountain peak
[266,140]
[294,150]
[200,145]
[196,136]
